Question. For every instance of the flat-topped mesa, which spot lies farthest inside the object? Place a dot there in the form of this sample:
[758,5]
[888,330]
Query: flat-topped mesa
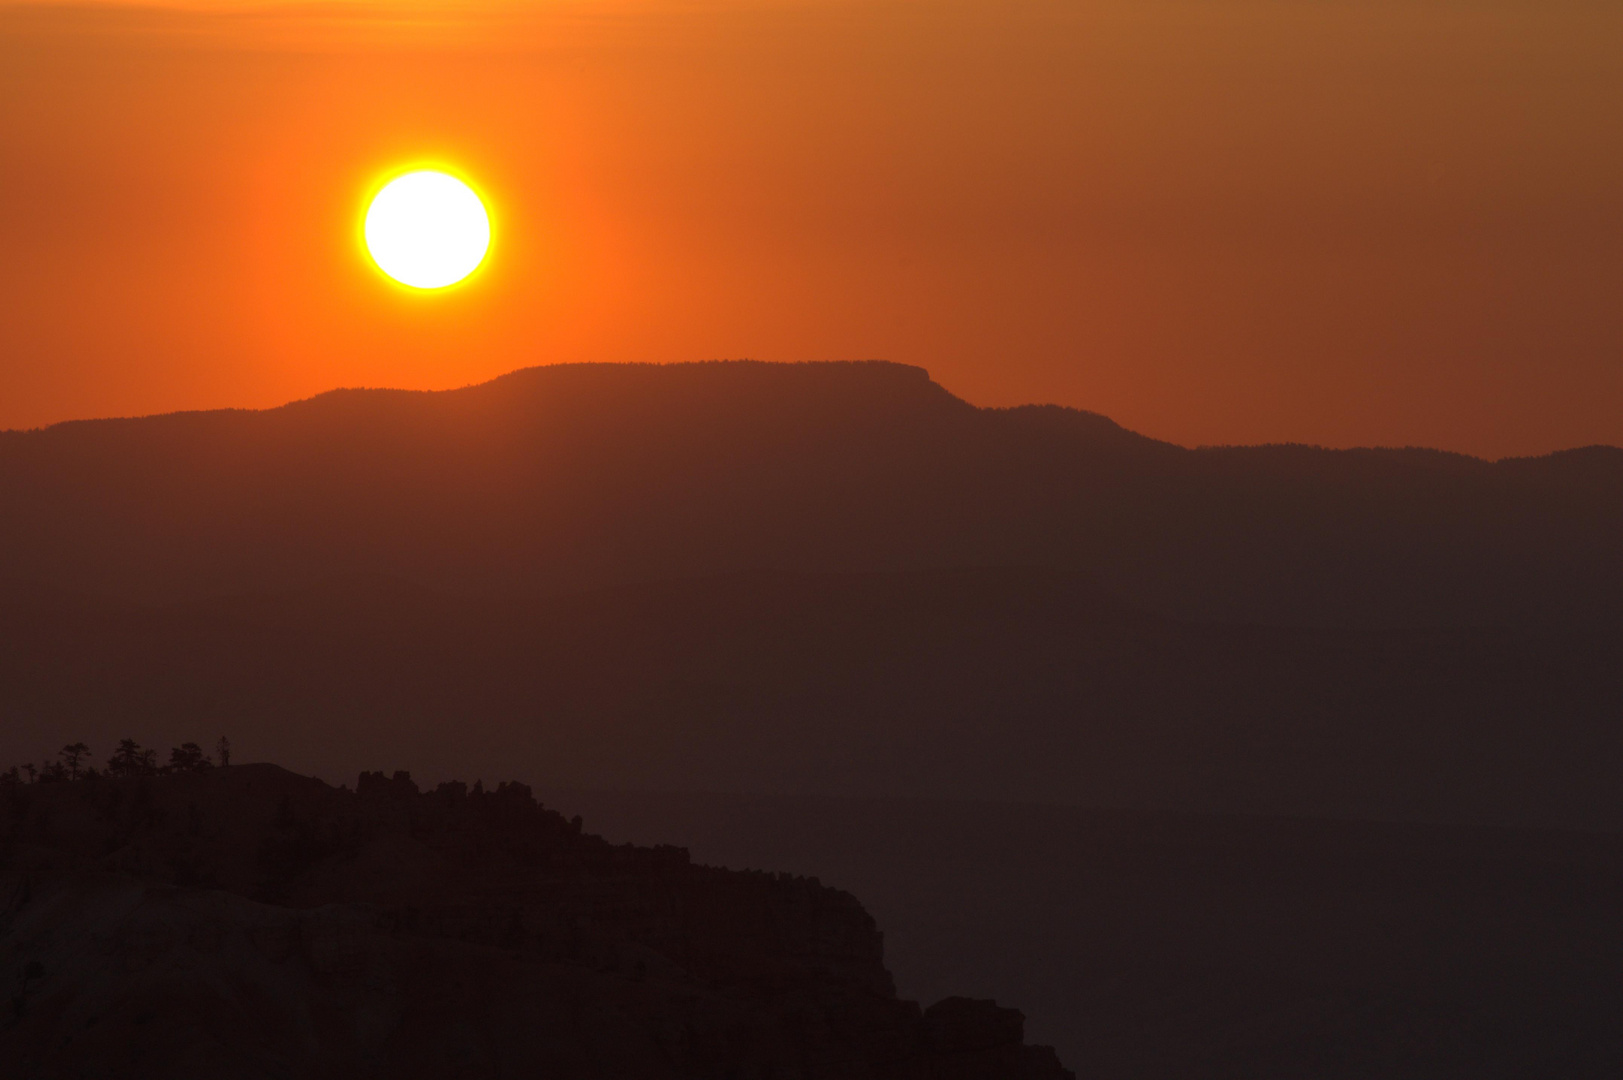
[419,929]
[556,479]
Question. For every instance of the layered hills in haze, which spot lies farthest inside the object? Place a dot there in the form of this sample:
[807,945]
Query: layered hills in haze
[1072,703]
[830,578]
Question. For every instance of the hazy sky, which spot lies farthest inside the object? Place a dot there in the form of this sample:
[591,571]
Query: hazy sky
[1329,221]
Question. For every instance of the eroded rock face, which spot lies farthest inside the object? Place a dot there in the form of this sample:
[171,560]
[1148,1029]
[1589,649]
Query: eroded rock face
[248,922]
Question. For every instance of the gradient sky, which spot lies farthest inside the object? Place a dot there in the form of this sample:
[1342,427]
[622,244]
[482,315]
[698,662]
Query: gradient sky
[1328,221]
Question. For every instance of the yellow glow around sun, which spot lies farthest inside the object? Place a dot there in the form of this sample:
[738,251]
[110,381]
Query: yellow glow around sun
[427,229]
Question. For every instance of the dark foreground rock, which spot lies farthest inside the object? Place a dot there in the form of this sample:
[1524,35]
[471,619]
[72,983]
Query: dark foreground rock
[248,922]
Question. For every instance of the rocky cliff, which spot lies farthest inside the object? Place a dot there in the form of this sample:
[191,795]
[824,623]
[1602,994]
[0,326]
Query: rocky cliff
[248,922]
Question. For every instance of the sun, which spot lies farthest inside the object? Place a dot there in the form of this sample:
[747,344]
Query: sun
[427,229]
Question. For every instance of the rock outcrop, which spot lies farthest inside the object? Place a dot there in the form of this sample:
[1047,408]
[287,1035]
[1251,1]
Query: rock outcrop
[248,922]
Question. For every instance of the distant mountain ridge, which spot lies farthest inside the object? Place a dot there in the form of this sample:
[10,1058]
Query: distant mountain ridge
[563,478]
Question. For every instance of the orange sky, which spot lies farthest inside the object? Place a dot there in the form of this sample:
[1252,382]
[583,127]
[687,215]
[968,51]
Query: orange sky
[1315,220]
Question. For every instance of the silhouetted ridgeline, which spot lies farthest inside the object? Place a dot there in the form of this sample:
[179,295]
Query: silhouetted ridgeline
[569,477]
[248,922]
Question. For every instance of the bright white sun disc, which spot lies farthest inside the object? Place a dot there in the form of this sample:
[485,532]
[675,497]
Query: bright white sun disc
[427,229]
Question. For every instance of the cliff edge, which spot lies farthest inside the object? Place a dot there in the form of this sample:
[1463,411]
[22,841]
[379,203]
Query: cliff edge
[249,922]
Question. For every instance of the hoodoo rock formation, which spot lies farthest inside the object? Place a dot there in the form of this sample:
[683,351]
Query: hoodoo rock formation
[249,922]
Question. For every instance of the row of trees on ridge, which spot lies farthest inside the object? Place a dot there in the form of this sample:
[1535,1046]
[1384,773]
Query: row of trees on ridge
[130,759]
